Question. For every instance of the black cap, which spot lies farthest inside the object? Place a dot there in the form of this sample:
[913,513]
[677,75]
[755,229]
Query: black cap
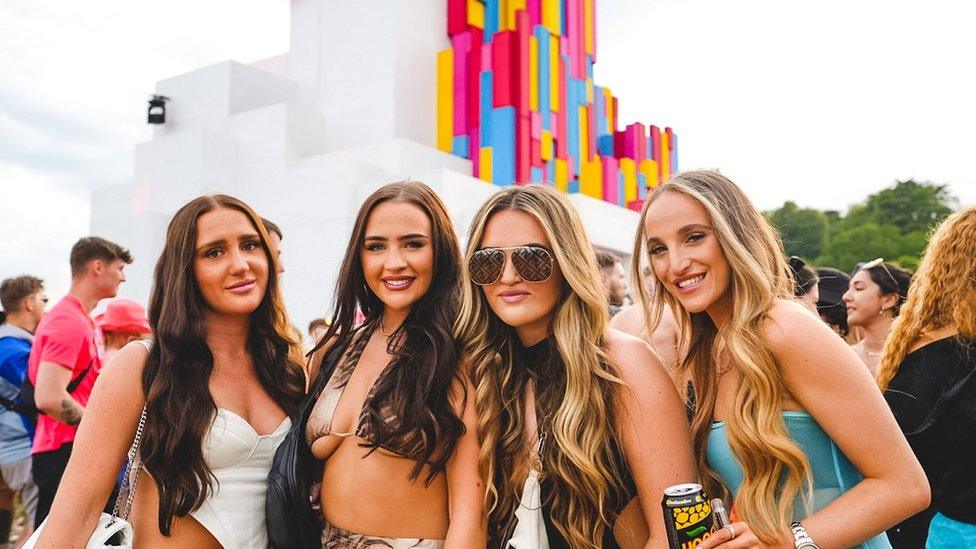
[833,284]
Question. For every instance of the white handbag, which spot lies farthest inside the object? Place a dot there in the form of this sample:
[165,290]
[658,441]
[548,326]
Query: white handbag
[113,530]
[530,527]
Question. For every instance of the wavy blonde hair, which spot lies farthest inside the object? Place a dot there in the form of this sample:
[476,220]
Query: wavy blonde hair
[775,469]
[584,475]
[943,291]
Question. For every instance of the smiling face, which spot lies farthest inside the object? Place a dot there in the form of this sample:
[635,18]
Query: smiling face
[230,264]
[864,300]
[397,255]
[686,256]
[526,306]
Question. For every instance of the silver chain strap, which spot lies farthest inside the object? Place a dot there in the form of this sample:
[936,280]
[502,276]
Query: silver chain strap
[132,473]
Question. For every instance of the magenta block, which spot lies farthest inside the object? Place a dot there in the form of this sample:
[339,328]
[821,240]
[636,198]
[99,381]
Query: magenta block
[523,31]
[535,12]
[461,43]
[457,16]
[610,186]
[504,65]
[473,99]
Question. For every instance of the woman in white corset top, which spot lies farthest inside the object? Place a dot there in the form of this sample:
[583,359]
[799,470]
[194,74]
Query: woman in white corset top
[393,424]
[218,389]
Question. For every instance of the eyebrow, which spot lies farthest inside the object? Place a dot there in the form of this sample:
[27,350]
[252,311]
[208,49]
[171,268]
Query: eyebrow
[684,230]
[410,236]
[533,244]
[242,238]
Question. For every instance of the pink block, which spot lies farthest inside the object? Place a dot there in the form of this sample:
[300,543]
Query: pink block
[474,80]
[486,57]
[535,12]
[535,120]
[474,150]
[573,35]
[553,123]
[610,179]
[523,31]
[461,43]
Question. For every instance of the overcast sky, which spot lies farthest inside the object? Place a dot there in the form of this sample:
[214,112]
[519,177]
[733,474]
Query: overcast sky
[820,103]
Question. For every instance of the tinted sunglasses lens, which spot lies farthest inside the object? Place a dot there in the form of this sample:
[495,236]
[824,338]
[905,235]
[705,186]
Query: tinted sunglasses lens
[533,264]
[485,266]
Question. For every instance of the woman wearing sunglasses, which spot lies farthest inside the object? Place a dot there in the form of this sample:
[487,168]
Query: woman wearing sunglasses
[392,422]
[928,374]
[773,424]
[560,397]
[873,299]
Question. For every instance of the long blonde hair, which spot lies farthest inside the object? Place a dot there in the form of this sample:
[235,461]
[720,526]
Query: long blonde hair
[584,475]
[775,469]
[942,293]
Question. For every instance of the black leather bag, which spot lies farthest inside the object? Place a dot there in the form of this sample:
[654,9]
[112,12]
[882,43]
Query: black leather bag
[291,521]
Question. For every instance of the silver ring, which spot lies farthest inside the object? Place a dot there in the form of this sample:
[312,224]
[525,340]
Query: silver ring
[731,530]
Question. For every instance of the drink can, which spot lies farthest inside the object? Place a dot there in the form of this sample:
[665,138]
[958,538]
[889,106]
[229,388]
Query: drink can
[687,515]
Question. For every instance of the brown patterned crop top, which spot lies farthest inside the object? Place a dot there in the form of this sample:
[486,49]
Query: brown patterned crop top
[320,421]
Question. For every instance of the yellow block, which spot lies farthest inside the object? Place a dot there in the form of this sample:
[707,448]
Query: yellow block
[665,160]
[533,73]
[484,164]
[562,175]
[584,135]
[476,14]
[445,100]
[546,145]
[629,168]
[648,167]
[589,90]
[508,10]
[554,70]
[608,101]
[591,178]
[550,15]
[588,33]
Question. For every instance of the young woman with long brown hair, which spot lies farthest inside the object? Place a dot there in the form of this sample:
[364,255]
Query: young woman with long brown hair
[392,423]
[773,424]
[584,416]
[928,374]
[217,386]
[873,299]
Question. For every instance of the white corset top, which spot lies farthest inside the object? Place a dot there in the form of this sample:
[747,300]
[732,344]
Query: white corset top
[240,460]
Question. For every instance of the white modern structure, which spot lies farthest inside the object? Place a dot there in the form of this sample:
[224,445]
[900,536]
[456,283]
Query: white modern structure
[304,137]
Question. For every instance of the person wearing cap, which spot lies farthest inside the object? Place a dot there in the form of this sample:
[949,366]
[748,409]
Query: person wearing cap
[806,287]
[832,285]
[123,321]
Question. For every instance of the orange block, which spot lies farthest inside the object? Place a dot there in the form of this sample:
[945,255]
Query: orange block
[648,167]
[445,100]
[546,145]
[629,168]
[591,178]
[484,163]
[562,175]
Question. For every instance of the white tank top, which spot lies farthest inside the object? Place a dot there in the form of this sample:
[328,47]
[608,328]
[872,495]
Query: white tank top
[240,460]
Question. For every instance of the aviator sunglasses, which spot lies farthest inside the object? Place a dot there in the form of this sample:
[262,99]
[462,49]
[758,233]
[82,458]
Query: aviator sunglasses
[532,263]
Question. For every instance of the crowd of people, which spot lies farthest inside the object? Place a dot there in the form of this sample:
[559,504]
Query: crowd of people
[516,393]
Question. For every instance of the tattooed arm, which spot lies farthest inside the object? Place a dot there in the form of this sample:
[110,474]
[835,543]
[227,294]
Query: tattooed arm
[51,393]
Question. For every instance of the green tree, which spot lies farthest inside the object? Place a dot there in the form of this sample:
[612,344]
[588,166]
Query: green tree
[804,230]
[910,206]
[861,243]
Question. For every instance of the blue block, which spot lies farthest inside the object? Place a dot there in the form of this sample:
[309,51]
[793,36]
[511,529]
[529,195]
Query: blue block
[650,148]
[589,65]
[535,174]
[641,186]
[621,199]
[551,170]
[491,19]
[459,146]
[486,99]
[562,18]
[605,144]
[542,36]
[573,186]
[674,152]
[503,146]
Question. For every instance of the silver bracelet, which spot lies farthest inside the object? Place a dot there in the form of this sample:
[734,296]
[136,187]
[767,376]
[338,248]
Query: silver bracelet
[801,539]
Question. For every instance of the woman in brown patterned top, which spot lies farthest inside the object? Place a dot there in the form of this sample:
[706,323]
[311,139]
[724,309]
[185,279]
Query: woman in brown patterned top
[393,421]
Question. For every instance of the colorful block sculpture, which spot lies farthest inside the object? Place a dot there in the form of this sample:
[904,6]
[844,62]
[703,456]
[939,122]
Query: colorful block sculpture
[516,96]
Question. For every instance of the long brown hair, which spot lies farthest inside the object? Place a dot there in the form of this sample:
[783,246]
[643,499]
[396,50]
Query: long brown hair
[775,469]
[943,292]
[426,357]
[176,377]
[577,401]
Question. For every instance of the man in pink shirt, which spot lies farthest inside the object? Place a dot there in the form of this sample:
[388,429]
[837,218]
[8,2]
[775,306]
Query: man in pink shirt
[64,357]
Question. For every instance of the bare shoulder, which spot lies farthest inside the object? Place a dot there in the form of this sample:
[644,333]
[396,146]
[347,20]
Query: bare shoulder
[634,359]
[789,324]
[629,320]
[126,366]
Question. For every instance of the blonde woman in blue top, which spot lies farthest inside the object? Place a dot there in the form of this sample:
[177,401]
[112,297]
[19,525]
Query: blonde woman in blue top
[774,425]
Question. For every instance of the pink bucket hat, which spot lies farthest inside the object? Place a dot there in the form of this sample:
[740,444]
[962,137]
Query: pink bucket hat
[124,315]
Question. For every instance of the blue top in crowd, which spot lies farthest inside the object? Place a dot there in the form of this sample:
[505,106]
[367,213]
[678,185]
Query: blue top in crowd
[16,431]
[833,473]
